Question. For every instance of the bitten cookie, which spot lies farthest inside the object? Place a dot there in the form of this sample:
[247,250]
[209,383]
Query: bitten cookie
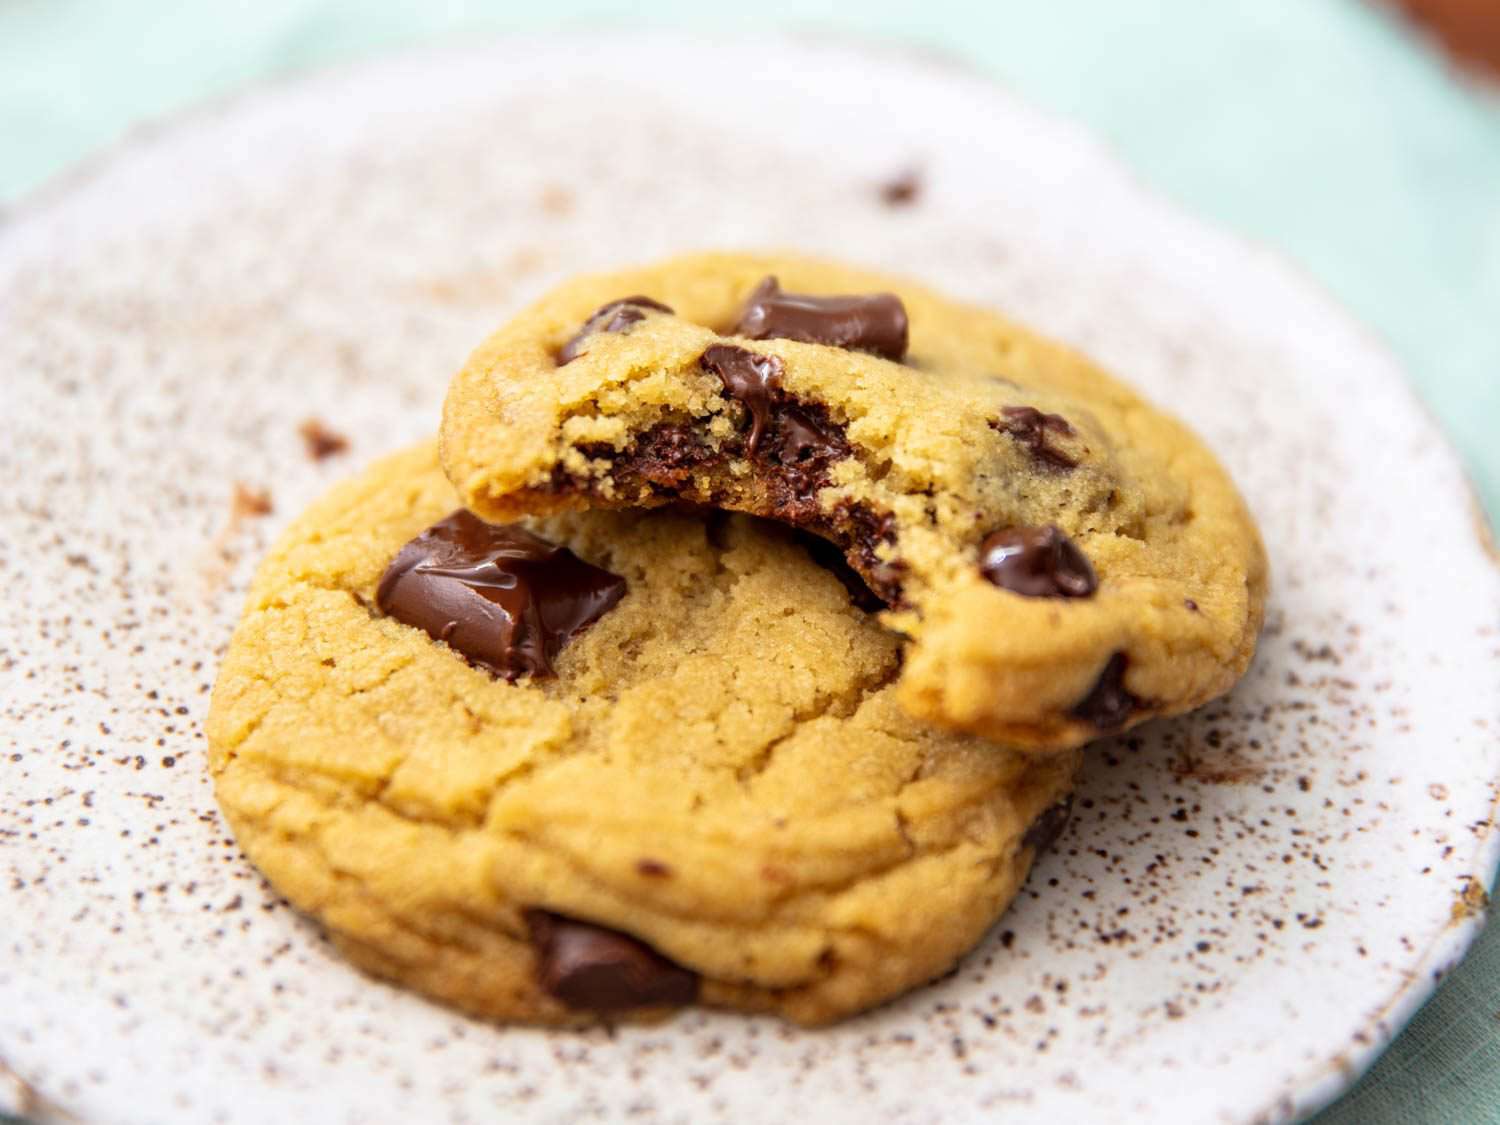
[1065,559]
[605,765]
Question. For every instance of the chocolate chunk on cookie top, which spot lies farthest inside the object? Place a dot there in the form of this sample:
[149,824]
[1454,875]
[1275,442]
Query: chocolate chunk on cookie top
[602,970]
[1023,515]
[1039,434]
[617,316]
[874,323]
[503,598]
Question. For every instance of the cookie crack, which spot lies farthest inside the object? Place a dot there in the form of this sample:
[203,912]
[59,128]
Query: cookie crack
[840,703]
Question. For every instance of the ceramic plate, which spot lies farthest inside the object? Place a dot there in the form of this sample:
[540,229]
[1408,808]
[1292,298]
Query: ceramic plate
[1246,907]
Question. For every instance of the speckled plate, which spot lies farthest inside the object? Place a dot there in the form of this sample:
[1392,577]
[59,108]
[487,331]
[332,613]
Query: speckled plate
[1248,903]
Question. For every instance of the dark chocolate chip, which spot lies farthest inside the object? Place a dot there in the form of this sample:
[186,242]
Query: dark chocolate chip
[616,316]
[1036,562]
[1033,430]
[600,970]
[1108,704]
[750,379]
[1046,828]
[507,600]
[874,323]
[830,558]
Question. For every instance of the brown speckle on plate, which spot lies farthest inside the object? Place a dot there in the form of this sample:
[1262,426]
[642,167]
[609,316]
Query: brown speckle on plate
[903,189]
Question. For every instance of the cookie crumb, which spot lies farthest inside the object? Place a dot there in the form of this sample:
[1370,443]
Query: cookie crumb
[903,189]
[321,442]
[219,555]
[248,503]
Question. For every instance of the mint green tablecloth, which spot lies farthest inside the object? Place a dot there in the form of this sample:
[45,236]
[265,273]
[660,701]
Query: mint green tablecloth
[1315,126]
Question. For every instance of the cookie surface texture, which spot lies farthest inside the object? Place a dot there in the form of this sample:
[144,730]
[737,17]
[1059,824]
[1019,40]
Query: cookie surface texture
[1065,559]
[714,797]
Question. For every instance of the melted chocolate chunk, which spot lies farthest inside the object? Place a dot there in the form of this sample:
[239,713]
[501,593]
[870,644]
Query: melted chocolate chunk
[599,970]
[666,455]
[802,439]
[1046,828]
[750,379]
[875,323]
[505,599]
[830,558]
[1032,429]
[616,316]
[1036,562]
[1108,704]
[806,442]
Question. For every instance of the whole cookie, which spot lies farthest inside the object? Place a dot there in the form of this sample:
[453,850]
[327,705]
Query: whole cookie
[603,765]
[1065,559]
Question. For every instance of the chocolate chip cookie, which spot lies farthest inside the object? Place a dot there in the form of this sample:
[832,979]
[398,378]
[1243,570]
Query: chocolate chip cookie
[1065,559]
[604,764]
